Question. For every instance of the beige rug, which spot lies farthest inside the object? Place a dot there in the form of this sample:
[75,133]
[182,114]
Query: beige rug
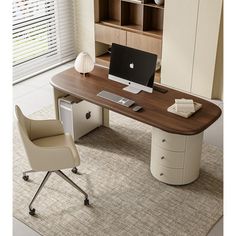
[125,198]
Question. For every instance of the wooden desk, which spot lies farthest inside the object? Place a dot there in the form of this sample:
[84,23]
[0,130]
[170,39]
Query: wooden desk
[176,141]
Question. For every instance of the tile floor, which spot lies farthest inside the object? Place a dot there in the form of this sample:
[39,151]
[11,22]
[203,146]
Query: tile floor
[33,94]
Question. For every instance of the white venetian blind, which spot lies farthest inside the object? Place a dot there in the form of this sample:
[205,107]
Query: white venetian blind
[43,35]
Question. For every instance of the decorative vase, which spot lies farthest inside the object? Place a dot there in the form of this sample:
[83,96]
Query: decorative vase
[159,2]
[84,63]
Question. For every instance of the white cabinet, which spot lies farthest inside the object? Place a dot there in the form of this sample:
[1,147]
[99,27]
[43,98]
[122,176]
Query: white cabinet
[190,40]
[179,32]
[206,47]
[177,160]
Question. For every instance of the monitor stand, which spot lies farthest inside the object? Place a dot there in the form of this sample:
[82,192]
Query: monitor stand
[132,89]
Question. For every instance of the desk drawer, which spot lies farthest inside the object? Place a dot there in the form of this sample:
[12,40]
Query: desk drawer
[167,158]
[168,141]
[168,175]
[108,35]
[145,43]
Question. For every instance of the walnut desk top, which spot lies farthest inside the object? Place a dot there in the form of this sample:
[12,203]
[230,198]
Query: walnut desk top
[154,104]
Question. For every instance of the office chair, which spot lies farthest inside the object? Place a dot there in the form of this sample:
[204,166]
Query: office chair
[48,149]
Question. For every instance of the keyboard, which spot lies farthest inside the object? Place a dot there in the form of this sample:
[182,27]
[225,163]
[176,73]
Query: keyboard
[116,98]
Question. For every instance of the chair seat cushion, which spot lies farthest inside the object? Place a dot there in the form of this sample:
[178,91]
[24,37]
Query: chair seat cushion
[59,141]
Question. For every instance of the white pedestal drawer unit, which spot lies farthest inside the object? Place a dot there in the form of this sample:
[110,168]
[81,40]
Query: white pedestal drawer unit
[175,159]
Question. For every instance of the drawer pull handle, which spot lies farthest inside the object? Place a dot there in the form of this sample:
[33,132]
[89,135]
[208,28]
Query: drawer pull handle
[88,115]
[163,140]
[162,157]
[161,174]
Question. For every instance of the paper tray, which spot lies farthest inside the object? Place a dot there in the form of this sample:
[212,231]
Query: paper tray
[172,109]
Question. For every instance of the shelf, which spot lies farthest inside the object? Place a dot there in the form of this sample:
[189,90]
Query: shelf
[137,24]
[145,17]
[132,1]
[111,22]
[104,59]
[153,19]
[145,4]
[131,15]
[154,5]
[110,11]
[136,28]
[154,33]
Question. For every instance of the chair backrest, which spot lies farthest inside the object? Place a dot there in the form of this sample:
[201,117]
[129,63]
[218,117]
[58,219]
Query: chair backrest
[41,158]
[24,127]
[23,122]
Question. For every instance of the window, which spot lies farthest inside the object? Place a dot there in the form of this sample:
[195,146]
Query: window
[43,35]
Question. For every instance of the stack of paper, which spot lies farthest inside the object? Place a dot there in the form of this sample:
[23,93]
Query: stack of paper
[184,105]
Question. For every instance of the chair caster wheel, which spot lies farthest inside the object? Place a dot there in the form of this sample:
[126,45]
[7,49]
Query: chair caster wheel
[25,177]
[86,202]
[32,212]
[75,170]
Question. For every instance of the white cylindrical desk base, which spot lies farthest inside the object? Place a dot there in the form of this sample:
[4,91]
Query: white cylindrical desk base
[175,159]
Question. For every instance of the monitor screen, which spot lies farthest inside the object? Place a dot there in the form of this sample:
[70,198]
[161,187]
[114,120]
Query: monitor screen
[132,66]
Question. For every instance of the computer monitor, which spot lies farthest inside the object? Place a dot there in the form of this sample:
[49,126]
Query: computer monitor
[132,67]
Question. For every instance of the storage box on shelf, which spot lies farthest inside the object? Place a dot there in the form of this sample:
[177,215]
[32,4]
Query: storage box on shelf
[137,24]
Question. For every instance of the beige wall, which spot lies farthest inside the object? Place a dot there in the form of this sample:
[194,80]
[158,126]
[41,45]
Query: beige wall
[84,32]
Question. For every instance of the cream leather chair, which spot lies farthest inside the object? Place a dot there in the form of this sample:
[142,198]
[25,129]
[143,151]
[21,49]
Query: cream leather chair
[48,149]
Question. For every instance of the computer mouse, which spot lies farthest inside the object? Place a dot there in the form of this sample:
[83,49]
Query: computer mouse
[137,108]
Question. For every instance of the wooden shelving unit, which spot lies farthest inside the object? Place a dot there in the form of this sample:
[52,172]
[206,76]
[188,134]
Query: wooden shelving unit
[103,59]
[137,24]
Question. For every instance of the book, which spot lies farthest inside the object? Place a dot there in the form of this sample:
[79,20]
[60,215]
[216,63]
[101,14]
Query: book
[184,105]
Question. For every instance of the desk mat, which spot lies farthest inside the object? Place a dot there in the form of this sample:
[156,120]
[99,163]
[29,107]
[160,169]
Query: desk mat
[125,198]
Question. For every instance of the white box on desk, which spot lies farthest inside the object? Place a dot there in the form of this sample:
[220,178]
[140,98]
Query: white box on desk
[79,117]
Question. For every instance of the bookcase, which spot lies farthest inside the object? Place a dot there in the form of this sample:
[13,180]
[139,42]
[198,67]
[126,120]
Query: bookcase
[134,23]
[184,34]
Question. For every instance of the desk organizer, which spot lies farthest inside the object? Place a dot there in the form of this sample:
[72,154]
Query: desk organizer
[172,109]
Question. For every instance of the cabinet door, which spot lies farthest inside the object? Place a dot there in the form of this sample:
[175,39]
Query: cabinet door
[179,33]
[206,47]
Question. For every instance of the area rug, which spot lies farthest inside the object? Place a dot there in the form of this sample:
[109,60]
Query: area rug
[125,198]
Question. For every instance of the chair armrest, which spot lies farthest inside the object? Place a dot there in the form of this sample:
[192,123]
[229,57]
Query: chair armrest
[51,158]
[45,128]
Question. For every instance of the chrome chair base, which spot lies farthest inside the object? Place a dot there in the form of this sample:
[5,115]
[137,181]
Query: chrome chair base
[32,211]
